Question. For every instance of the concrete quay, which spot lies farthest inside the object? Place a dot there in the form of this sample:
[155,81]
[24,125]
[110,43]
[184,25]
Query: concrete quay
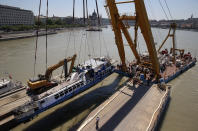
[5,37]
[129,109]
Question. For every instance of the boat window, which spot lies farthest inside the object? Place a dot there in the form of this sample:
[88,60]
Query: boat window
[61,94]
[66,91]
[70,89]
[43,101]
[78,85]
[74,87]
[56,96]
[3,86]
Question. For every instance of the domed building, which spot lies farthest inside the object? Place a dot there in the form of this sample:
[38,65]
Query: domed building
[93,19]
[93,16]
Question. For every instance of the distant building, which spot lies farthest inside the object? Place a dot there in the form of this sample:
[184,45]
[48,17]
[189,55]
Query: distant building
[93,16]
[94,19]
[15,16]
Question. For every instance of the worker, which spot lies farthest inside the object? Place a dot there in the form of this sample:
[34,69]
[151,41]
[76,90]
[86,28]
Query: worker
[97,122]
[164,52]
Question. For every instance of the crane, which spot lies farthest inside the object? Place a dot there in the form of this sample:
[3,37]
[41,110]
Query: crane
[44,80]
[172,28]
[141,20]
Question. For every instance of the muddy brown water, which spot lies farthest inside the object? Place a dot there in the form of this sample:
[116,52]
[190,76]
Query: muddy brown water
[17,58]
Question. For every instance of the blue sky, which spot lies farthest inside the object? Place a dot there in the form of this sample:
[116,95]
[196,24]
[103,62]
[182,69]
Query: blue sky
[180,9]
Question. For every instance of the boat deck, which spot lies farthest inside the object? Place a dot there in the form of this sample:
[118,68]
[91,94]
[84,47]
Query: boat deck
[131,108]
[170,70]
[11,102]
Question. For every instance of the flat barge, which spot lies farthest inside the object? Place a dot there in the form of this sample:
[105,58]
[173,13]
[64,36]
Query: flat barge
[130,108]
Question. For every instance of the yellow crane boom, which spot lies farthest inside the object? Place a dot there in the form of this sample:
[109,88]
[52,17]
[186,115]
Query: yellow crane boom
[172,28]
[43,81]
[118,26]
[142,21]
[49,70]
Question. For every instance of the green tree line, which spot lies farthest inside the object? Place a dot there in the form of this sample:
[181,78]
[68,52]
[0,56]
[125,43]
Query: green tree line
[51,24]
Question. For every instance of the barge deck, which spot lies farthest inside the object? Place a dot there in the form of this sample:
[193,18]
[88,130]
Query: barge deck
[130,108]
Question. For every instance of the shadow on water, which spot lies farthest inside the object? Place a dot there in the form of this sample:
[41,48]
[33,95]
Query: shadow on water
[112,123]
[71,110]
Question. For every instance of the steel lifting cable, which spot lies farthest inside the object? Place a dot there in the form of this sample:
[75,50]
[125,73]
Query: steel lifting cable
[80,48]
[87,42]
[105,45]
[73,10]
[84,11]
[92,46]
[159,35]
[168,10]
[97,13]
[163,9]
[67,47]
[46,29]
[35,56]
[153,16]
[100,43]
[87,10]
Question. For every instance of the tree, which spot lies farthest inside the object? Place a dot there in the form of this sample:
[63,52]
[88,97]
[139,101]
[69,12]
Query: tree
[50,22]
[38,23]
[58,22]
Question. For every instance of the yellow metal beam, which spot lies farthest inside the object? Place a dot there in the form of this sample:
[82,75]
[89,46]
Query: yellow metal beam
[124,2]
[144,25]
[164,41]
[117,32]
[130,42]
[124,17]
[172,27]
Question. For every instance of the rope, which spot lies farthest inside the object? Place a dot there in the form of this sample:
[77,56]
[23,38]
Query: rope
[46,32]
[35,56]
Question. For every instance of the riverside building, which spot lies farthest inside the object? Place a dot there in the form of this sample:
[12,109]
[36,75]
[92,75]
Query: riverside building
[15,16]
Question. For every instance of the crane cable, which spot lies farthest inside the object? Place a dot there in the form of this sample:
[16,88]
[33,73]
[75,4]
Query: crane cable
[163,9]
[46,29]
[80,48]
[97,13]
[73,9]
[105,46]
[35,56]
[156,32]
[168,10]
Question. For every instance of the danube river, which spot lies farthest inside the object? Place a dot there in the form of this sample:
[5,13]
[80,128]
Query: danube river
[17,59]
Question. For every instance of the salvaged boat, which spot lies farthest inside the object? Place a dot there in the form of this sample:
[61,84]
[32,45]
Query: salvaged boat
[48,93]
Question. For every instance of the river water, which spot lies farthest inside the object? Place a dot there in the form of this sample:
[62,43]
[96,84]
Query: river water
[17,58]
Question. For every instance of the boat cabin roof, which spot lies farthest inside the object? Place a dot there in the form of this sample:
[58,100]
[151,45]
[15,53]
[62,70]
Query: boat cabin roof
[4,82]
